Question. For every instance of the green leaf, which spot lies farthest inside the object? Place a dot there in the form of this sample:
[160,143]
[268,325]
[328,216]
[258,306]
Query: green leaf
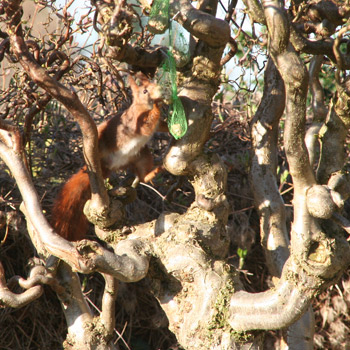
[242,253]
[284,176]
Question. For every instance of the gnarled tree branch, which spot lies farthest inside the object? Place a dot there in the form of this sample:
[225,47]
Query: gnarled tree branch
[264,131]
[67,97]
[10,299]
[215,32]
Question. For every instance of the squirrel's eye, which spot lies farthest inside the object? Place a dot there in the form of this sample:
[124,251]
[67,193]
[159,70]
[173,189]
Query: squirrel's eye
[145,91]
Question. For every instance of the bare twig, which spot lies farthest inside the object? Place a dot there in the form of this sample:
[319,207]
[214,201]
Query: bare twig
[68,98]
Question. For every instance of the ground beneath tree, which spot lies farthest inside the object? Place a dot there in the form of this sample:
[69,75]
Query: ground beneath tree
[141,324]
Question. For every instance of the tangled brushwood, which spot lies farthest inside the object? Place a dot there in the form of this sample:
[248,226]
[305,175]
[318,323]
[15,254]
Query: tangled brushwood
[228,232]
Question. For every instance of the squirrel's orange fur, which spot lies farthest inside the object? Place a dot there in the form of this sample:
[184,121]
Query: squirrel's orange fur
[122,143]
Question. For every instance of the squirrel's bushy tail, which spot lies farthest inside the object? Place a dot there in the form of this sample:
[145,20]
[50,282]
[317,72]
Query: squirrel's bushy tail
[67,216]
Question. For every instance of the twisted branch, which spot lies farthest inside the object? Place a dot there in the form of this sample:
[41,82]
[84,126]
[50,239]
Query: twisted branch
[264,131]
[68,98]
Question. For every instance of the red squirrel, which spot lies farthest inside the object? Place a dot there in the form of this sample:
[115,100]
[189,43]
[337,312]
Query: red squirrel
[122,143]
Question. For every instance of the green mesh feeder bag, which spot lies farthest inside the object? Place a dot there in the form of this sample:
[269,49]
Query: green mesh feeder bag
[177,122]
[179,44]
[158,21]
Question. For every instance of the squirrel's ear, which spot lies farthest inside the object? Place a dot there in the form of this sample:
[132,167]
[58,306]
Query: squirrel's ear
[138,80]
[141,76]
[132,83]
[141,79]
